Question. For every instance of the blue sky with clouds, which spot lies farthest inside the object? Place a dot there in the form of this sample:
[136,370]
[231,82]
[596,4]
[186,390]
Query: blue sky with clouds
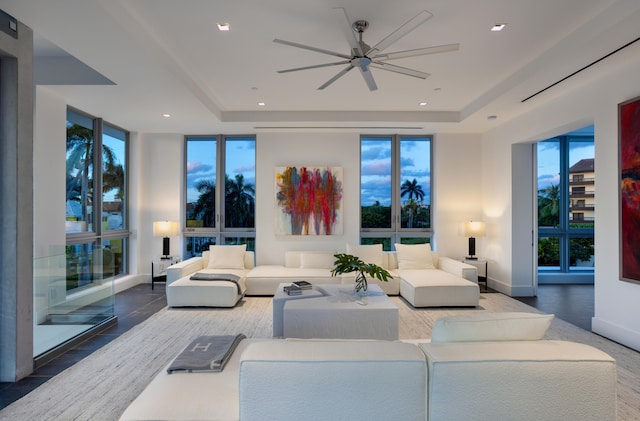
[201,161]
[375,167]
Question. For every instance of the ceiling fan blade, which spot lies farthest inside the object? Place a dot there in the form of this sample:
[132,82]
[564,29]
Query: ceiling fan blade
[317,66]
[398,69]
[417,52]
[336,77]
[349,33]
[368,77]
[403,30]
[308,47]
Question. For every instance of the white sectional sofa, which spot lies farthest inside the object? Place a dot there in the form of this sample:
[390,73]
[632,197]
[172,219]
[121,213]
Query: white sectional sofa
[490,366]
[424,278]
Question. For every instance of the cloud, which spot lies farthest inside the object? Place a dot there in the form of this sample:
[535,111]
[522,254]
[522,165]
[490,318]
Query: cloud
[197,167]
[246,168]
[376,168]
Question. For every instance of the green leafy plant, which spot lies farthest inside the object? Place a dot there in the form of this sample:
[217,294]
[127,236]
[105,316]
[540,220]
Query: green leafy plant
[347,263]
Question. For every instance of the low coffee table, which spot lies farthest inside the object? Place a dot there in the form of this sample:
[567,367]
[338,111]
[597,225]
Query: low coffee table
[333,311]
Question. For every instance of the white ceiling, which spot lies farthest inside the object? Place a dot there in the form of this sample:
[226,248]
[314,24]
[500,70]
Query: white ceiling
[133,60]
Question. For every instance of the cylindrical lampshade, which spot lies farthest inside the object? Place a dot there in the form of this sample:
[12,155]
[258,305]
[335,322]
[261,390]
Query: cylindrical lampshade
[165,229]
[474,229]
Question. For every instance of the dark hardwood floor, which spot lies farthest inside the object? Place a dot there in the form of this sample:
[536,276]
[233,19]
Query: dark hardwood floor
[131,307]
[572,303]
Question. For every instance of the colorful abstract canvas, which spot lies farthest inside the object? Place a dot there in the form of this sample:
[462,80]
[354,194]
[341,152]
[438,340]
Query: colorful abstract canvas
[308,200]
[629,126]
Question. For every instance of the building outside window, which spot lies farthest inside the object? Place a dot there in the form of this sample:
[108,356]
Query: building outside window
[566,208]
[395,190]
[219,213]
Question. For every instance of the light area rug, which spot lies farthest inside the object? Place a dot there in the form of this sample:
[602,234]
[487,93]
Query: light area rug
[101,386]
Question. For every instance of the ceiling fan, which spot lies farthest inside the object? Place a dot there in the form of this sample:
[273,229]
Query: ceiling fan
[363,56]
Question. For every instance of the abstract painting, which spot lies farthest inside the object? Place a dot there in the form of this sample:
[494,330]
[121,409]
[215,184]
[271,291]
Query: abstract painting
[629,132]
[308,200]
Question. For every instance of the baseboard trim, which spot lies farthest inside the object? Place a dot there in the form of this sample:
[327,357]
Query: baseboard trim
[616,333]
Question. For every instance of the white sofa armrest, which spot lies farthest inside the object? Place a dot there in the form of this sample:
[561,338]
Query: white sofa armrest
[184,268]
[461,269]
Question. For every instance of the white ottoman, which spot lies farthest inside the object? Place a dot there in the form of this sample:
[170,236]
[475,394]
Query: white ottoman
[189,293]
[340,315]
[437,288]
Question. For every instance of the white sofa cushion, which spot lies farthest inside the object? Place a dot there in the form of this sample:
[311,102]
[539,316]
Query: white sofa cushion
[317,260]
[414,256]
[523,380]
[227,257]
[482,327]
[334,380]
[368,253]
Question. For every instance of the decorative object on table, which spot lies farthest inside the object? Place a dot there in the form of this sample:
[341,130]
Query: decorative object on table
[309,200]
[473,229]
[292,290]
[302,284]
[165,229]
[347,263]
[629,134]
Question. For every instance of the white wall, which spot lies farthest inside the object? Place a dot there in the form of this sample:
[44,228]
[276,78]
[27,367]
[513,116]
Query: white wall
[617,313]
[457,195]
[304,149]
[157,174]
[49,205]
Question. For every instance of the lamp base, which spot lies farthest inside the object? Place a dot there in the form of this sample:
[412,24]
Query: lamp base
[165,249]
[471,258]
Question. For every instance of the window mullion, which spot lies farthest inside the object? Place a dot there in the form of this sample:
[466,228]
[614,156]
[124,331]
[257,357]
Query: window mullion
[97,176]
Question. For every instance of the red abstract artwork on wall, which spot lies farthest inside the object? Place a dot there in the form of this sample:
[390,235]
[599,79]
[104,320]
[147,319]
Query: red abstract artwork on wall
[629,130]
[309,200]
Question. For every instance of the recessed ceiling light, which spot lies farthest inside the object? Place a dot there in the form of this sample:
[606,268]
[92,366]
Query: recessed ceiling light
[423,103]
[224,26]
[498,27]
[166,115]
[262,104]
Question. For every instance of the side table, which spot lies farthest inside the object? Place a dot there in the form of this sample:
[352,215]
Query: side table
[483,271]
[159,269]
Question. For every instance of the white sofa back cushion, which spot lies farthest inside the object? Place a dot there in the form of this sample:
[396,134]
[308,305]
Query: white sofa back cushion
[309,259]
[249,259]
[482,327]
[368,253]
[414,256]
[333,380]
[227,257]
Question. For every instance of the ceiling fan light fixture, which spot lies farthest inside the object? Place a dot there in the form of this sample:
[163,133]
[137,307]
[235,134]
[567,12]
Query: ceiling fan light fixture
[498,27]
[224,26]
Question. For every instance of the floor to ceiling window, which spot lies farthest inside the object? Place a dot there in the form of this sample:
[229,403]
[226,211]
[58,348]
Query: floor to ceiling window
[566,208]
[218,213]
[74,289]
[395,190]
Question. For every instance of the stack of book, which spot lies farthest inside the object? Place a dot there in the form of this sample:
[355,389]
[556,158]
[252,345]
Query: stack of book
[292,290]
[302,284]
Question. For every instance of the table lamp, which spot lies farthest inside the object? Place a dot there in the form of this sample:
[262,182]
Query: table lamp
[165,229]
[473,229]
